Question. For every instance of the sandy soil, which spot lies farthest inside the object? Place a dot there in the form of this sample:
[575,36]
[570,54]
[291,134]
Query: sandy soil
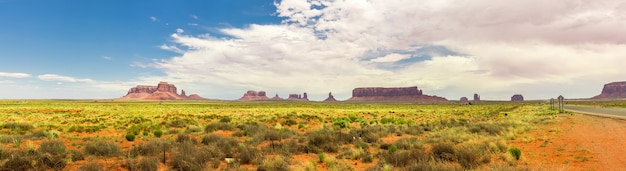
[576,142]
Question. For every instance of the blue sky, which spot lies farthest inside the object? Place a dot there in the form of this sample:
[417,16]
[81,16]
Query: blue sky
[222,48]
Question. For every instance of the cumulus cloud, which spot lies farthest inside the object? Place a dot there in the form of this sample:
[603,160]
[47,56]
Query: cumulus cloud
[108,58]
[61,78]
[14,75]
[500,47]
[154,19]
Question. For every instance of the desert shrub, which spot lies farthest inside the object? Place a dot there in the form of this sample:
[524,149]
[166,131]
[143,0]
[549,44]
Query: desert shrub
[327,140]
[468,155]
[130,136]
[76,155]
[333,164]
[321,157]
[173,131]
[53,147]
[271,134]
[180,138]
[217,126]
[246,154]
[354,154]
[277,163]
[225,119]
[144,164]
[409,143]
[432,166]
[250,129]
[187,158]
[403,158]
[18,162]
[54,162]
[18,126]
[488,128]
[516,152]
[193,128]
[444,151]
[158,133]
[180,123]
[225,145]
[38,135]
[102,148]
[393,148]
[289,122]
[90,167]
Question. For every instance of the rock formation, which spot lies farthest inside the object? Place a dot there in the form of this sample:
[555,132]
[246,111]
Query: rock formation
[476,98]
[395,94]
[463,100]
[182,93]
[299,97]
[276,98]
[517,98]
[614,90]
[163,91]
[253,95]
[330,98]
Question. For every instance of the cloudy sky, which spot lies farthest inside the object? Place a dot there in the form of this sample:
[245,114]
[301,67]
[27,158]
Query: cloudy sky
[222,48]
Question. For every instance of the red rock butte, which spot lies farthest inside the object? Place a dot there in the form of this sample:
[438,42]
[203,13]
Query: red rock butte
[163,91]
[252,95]
[517,98]
[614,90]
[393,94]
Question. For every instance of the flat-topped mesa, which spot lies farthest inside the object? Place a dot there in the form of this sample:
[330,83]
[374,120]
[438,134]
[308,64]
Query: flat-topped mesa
[614,90]
[252,95]
[393,94]
[517,98]
[165,87]
[330,98]
[163,91]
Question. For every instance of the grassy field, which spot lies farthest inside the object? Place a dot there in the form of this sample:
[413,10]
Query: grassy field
[205,135]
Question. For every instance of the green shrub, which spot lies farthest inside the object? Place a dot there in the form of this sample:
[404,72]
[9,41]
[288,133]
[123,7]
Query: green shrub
[516,152]
[289,122]
[53,147]
[225,119]
[321,157]
[158,133]
[393,148]
[130,136]
[102,148]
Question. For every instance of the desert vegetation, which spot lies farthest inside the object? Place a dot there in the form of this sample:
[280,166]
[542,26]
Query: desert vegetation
[207,135]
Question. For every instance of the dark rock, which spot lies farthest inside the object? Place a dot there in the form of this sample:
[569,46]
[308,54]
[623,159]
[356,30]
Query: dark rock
[517,98]
[463,100]
[330,98]
[476,97]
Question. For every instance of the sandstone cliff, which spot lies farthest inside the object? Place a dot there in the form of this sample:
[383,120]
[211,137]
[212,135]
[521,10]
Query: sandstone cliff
[163,91]
[395,94]
[614,90]
[299,97]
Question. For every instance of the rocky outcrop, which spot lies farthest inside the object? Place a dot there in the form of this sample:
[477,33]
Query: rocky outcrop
[299,97]
[517,98]
[463,100]
[163,91]
[614,90]
[182,93]
[330,98]
[252,95]
[476,97]
[276,98]
[394,94]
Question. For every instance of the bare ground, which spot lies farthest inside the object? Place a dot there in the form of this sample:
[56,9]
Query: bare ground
[576,142]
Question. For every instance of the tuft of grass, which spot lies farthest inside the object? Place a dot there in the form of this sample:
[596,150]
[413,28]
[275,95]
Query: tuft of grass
[516,152]
[321,157]
[217,126]
[130,136]
[277,163]
[90,167]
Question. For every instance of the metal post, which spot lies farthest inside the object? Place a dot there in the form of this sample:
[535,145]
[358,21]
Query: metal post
[561,104]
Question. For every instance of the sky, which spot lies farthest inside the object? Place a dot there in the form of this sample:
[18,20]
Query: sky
[219,49]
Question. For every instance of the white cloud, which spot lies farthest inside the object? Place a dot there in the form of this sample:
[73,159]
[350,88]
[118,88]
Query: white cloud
[503,47]
[392,57]
[179,30]
[61,78]
[14,75]
[107,58]
[194,16]
[154,19]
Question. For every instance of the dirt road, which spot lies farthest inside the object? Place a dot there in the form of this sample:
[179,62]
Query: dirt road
[576,142]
